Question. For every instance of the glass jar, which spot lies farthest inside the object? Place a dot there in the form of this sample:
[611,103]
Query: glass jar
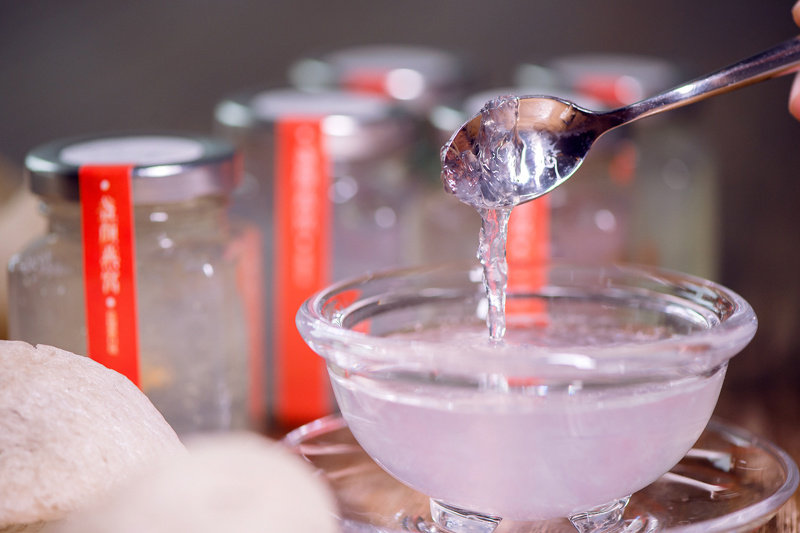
[428,82]
[328,184]
[188,345]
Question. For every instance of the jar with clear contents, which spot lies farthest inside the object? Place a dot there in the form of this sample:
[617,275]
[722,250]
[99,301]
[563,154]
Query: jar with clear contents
[329,186]
[192,339]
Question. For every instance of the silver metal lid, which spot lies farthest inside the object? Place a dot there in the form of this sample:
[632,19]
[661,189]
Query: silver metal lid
[356,126]
[167,167]
[474,103]
[447,120]
[418,76]
[616,79]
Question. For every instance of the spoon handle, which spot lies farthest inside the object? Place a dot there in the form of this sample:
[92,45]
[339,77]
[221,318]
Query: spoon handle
[776,61]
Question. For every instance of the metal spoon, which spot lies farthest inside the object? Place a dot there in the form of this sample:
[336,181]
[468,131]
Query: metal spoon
[519,148]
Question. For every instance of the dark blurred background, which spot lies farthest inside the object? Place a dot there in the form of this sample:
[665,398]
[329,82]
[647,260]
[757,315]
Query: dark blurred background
[87,66]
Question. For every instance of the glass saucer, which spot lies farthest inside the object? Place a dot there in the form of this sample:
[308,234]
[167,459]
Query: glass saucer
[730,481]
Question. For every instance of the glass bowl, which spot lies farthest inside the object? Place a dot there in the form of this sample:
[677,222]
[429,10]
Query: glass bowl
[606,378]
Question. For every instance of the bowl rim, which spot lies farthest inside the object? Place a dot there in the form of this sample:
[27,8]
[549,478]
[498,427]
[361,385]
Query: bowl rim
[702,351]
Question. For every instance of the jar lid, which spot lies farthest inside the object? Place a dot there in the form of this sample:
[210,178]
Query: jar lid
[474,103]
[356,126]
[167,168]
[419,76]
[615,79]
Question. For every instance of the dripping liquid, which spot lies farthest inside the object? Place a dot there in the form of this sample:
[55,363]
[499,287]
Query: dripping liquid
[492,255]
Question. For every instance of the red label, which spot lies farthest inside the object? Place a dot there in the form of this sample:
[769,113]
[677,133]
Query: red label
[610,89]
[366,81]
[302,265]
[622,166]
[109,267]
[527,252]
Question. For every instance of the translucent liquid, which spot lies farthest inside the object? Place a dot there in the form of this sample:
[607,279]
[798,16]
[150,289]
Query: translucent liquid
[526,455]
[492,255]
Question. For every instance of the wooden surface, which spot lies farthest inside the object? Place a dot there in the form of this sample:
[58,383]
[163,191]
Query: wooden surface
[770,409]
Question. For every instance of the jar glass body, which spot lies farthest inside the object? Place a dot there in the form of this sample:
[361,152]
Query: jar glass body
[192,336]
[675,215]
[373,224]
[591,212]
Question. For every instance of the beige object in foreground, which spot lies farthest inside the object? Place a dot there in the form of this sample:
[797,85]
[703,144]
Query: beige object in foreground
[70,430]
[238,482]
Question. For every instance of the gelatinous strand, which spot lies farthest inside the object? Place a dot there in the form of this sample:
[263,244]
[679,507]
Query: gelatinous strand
[495,161]
[492,255]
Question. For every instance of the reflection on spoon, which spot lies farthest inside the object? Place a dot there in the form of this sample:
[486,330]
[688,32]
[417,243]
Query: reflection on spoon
[514,150]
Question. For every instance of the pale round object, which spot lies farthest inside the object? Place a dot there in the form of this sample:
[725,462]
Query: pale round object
[70,430]
[238,482]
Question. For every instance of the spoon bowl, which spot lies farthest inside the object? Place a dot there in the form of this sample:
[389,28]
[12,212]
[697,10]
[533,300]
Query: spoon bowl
[518,148]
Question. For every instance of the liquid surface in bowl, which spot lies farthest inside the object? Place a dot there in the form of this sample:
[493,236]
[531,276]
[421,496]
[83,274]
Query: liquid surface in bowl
[518,447]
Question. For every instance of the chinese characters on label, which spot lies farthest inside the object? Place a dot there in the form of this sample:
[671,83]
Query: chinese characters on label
[108,239]
[109,267]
